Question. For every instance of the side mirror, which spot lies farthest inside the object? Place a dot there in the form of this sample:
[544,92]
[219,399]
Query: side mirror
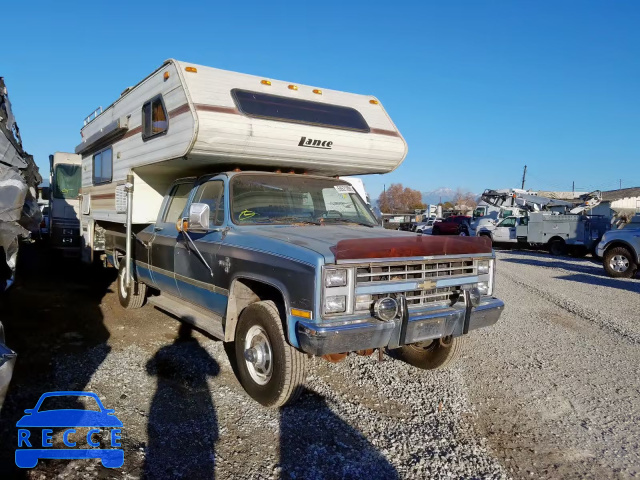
[198,217]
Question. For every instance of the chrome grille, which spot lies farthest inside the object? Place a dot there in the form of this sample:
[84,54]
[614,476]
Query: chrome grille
[383,274]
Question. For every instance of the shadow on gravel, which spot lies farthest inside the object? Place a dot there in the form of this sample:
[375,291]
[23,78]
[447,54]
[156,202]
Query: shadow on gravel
[52,310]
[182,428]
[587,265]
[317,443]
[622,284]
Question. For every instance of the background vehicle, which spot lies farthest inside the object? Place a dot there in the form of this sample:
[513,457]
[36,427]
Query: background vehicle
[64,202]
[427,226]
[44,224]
[453,225]
[620,252]
[573,233]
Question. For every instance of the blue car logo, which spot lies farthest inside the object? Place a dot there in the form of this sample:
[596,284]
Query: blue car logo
[70,419]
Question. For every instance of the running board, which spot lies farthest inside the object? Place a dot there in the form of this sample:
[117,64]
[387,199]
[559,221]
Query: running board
[199,317]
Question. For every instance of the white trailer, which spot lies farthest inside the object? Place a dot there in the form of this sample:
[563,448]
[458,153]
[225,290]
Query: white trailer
[64,204]
[186,119]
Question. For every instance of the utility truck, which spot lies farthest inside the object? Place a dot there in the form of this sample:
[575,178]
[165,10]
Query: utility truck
[64,203]
[216,196]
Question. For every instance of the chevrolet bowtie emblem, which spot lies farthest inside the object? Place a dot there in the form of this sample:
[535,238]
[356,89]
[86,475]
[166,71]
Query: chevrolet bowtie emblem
[427,285]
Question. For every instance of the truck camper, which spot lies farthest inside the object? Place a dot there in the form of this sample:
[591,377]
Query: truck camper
[216,195]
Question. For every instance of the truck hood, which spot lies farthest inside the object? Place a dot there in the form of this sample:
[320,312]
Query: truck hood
[343,242]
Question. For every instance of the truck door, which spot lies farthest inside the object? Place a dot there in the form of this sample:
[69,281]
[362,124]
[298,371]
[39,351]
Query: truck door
[505,230]
[199,278]
[166,235]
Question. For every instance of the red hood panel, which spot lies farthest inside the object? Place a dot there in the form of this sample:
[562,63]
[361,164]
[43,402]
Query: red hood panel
[418,246]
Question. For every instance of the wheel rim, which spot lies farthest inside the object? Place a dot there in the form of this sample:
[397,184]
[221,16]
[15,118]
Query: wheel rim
[123,278]
[619,263]
[463,234]
[258,355]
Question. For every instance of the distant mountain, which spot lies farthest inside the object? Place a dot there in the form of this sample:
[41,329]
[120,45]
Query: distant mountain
[441,194]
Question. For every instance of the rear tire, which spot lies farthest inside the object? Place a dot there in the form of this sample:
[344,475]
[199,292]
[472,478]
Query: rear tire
[134,296]
[271,371]
[557,247]
[433,355]
[618,262]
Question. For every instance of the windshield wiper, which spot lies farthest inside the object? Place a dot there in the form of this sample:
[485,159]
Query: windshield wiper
[296,220]
[346,220]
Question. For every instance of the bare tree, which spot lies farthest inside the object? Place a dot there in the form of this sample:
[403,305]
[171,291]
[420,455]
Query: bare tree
[398,199]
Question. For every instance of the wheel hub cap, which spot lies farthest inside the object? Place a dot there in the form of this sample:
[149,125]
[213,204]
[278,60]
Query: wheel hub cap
[258,355]
[619,263]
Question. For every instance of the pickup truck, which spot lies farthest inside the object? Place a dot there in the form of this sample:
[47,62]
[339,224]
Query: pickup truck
[453,225]
[620,252]
[287,266]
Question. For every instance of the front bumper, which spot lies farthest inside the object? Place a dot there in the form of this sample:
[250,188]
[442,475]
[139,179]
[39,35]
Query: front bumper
[425,324]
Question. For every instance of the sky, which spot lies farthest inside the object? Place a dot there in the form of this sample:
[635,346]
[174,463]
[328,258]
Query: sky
[479,89]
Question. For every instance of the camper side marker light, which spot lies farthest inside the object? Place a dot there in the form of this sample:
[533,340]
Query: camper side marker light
[191,69]
[265,82]
[374,102]
[317,91]
[293,87]
[166,75]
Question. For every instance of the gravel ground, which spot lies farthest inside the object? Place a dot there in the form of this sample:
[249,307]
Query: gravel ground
[555,396]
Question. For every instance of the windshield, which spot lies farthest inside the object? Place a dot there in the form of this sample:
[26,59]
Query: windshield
[66,181]
[295,199]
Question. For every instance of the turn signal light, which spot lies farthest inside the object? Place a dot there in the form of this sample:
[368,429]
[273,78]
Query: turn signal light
[166,75]
[266,82]
[293,87]
[317,91]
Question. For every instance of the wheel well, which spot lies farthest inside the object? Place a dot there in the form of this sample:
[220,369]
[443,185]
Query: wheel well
[624,245]
[244,292]
[553,239]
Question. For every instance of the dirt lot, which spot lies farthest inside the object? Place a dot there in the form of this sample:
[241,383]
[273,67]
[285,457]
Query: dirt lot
[552,391]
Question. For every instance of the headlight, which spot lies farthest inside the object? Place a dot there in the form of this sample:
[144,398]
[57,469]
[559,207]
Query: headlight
[483,267]
[386,309]
[363,302]
[335,278]
[335,304]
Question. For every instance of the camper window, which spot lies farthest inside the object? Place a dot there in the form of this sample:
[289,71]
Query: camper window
[102,166]
[154,118]
[295,110]
[212,193]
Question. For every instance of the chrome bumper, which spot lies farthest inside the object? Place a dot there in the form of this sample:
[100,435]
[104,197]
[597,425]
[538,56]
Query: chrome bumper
[426,324]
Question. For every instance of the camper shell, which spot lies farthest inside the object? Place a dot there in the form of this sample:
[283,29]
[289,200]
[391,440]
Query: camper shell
[187,119]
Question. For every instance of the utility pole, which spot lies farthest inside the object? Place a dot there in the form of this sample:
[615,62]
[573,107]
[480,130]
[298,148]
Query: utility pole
[524,176]
[573,187]
[620,184]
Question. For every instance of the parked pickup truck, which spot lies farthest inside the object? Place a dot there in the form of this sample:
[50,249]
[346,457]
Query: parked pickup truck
[289,265]
[620,252]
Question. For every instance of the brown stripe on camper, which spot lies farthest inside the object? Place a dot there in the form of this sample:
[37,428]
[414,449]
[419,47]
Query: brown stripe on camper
[379,131]
[213,108]
[132,132]
[179,110]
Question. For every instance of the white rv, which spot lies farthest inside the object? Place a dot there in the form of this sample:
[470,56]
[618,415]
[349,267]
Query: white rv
[187,119]
[64,203]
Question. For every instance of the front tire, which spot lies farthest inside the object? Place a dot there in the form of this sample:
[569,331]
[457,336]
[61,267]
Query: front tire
[433,355]
[557,247]
[270,370]
[618,262]
[134,296]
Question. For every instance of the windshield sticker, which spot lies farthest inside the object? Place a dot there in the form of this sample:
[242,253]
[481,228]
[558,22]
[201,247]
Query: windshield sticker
[246,215]
[344,189]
